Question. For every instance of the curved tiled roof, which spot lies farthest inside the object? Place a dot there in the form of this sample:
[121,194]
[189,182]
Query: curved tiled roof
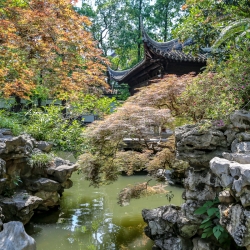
[171,51]
[119,75]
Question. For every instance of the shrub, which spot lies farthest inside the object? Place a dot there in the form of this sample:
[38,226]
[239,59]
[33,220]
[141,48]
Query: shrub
[41,160]
[50,125]
[8,120]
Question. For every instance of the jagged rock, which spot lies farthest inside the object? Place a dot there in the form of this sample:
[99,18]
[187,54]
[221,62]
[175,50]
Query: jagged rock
[187,229]
[188,209]
[50,199]
[220,167]
[44,146]
[226,197]
[61,173]
[173,243]
[14,237]
[236,220]
[230,135]
[240,119]
[243,136]
[241,147]
[19,207]
[44,184]
[199,147]
[1,219]
[16,147]
[201,185]
[170,226]
[233,175]
[17,173]
[2,167]
[160,220]
[67,184]
[5,131]
[239,157]
[3,182]
[201,244]
[59,162]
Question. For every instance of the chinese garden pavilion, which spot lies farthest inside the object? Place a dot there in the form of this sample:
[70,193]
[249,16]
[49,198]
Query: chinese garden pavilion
[160,58]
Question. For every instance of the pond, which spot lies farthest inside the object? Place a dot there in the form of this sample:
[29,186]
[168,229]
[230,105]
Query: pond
[91,219]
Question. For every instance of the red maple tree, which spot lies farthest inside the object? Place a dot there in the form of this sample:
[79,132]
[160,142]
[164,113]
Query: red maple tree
[45,43]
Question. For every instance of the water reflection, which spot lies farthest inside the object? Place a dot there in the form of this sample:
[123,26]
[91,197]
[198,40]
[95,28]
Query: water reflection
[90,219]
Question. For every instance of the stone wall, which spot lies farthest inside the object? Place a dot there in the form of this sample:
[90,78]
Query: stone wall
[219,166]
[25,187]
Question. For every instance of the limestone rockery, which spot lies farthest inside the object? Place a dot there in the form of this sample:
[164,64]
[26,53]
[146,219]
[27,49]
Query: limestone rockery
[27,187]
[219,166]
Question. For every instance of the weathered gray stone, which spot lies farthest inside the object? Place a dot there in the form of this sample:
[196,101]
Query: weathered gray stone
[243,136]
[19,207]
[187,228]
[2,167]
[44,146]
[157,225]
[14,237]
[236,219]
[59,162]
[220,167]
[230,135]
[201,185]
[169,225]
[199,147]
[15,147]
[202,244]
[239,157]
[50,199]
[3,184]
[67,184]
[245,196]
[240,119]
[44,184]
[226,197]
[61,173]
[242,147]
[173,243]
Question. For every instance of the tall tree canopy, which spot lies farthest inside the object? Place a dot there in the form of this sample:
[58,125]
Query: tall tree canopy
[45,45]
[117,27]
[204,20]
[220,28]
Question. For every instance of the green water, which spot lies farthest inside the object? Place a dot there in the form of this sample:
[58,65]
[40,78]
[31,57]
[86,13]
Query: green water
[90,219]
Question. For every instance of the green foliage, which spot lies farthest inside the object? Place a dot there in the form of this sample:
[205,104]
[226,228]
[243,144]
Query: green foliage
[164,16]
[91,104]
[117,28]
[214,95]
[8,192]
[41,160]
[210,225]
[203,21]
[40,92]
[50,125]
[239,28]
[16,179]
[11,121]
[170,196]
[122,91]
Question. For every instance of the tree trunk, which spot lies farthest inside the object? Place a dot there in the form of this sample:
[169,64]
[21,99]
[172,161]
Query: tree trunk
[64,111]
[139,33]
[39,102]
[166,25]
[17,106]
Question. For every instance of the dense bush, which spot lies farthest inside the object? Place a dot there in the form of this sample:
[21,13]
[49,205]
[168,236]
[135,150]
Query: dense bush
[221,89]
[50,125]
[11,121]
